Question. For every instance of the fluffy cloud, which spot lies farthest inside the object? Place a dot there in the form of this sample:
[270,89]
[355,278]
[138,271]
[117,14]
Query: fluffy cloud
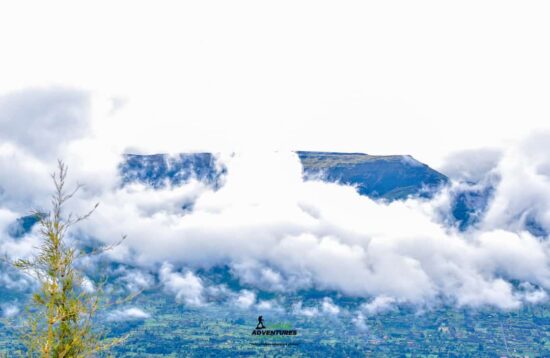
[328,307]
[39,126]
[128,314]
[135,280]
[42,121]
[521,198]
[9,310]
[359,320]
[471,165]
[187,287]
[379,304]
[299,309]
[325,306]
[245,299]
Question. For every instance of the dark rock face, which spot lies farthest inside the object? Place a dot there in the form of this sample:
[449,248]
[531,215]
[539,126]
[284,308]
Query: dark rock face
[22,226]
[388,177]
[160,169]
[469,205]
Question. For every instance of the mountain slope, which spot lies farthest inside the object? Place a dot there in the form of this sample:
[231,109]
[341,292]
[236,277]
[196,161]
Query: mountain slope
[390,177]
[159,169]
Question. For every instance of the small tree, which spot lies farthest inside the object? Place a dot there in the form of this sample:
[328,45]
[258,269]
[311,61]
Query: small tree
[61,313]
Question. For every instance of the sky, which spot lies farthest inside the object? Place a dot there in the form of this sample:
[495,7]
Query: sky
[425,78]
[462,87]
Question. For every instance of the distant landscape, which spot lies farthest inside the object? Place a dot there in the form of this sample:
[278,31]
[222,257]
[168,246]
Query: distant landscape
[329,322]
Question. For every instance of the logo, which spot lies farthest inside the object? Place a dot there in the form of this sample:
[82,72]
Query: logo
[278,329]
[260,324]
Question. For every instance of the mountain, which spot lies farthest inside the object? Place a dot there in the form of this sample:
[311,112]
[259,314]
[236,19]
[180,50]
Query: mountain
[390,177]
[159,169]
[22,226]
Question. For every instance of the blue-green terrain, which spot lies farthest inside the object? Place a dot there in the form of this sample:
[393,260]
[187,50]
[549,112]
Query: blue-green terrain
[390,177]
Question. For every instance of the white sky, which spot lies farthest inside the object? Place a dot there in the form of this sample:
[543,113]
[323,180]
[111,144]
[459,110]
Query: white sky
[396,77]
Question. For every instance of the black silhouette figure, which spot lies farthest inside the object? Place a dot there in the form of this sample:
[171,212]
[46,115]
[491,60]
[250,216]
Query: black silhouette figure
[260,324]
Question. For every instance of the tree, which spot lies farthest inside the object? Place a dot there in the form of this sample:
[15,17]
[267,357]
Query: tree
[60,319]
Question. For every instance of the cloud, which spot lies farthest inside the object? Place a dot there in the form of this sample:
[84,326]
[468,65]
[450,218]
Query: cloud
[532,294]
[359,320]
[88,285]
[325,306]
[256,225]
[261,276]
[39,126]
[186,287]
[328,307]
[128,314]
[521,196]
[279,233]
[42,121]
[299,309]
[135,280]
[9,310]
[245,299]
[334,81]
[269,305]
[379,304]
[471,165]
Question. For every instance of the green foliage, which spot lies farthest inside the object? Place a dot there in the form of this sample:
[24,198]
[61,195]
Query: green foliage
[60,318]
[325,160]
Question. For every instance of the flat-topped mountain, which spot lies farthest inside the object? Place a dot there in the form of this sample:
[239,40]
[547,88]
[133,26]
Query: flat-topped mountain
[390,177]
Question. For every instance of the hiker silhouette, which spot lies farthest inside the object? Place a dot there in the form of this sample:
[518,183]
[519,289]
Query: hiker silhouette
[260,324]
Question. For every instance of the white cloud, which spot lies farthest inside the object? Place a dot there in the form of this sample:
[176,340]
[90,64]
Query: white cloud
[471,165]
[245,299]
[9,310]
[187,287]
[359,76]
[136,280]
[379,304]
[88,285]
[522,192]
[359,320]
[325,306]
[269,305]
[531,294]
[42,121]
[309,311]
[128,314]
[328,307]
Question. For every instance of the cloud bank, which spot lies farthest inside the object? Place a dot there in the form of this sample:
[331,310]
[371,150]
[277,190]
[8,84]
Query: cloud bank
[279,233]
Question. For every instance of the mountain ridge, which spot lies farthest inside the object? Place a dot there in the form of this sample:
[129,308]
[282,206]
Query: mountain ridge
[390,177]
